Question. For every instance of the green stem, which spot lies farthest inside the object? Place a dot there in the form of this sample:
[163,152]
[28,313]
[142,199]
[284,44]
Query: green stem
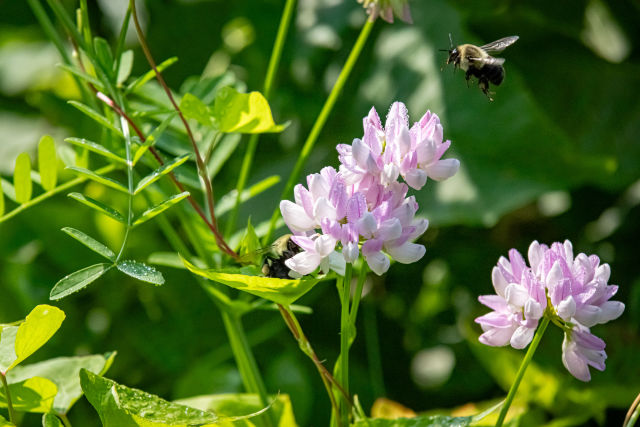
[127,143]
[65,420]
[362,275]
[12,414]
[345,334]
[274,62]
[244,358]
[53,192]
[523,367]
[320,122]
[305,346]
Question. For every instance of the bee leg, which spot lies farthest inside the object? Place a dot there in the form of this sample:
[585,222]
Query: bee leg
[484,85]
[468,76]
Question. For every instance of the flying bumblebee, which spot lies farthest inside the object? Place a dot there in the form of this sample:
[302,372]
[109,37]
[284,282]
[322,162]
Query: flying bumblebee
[281,250]
[477,61]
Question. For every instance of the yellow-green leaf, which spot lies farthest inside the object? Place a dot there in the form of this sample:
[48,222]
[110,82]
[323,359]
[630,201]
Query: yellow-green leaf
[5,423]
[193,108]
[38,327]
[22,178]
[50,420]
[78,280]
[1,200]
[47,163]
[280,291]
[243,112]
[32,395]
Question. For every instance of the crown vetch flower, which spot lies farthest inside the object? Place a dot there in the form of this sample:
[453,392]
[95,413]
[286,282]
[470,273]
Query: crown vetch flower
[363,208]
[386,8]
[518,305]
[572,291]
[384,154]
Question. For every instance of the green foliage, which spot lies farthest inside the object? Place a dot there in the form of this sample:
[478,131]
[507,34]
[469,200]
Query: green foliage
[34,394]
[50,420]
[47,163]
[96,148]
[98,206]
[280,291]
[159,208]
[141,272]
[243,112]
[426,421]
[78,280]
[19,342]
[22,178]
[160,172]
[91,243]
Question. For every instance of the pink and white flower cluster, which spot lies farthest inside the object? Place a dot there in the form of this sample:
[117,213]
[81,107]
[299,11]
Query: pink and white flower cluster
[363,207]
[572,291]
[386,8]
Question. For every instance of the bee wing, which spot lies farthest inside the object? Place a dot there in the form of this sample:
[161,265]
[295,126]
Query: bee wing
[489,60]
[499,45]
[249,256]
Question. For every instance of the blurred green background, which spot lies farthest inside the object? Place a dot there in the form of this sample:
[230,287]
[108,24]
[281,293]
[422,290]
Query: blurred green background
[555,156]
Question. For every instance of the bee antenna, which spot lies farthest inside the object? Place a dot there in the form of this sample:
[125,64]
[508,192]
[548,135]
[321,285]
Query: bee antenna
[450,41]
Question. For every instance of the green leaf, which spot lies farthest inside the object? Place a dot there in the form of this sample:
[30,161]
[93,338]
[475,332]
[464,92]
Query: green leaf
[31,395]
[5,423]
[96,148]
[118,405]
[160,172]
[141,271]
[193,108]
[280,291]
[90,242]
[153,137]
[1,200]
[140,81]
[84,76]
[109,182]
[103,54]
[93,114]
[50,420]
[159,208]
[19,342]
[421,421]
[47,163]
[98,206]
[243,112]
[232,404]
[167,259]
[249,245]
[228,201]
[124,69]
[22,178]
[64,373]
[78,280]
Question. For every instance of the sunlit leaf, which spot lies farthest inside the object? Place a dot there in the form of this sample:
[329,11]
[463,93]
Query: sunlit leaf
[31,395]
[159,208]
[193,108]
[19,342]
[64,373]
[90,242]
[243,112]
[160,172]
[50,420]
[5,423]
[109,182]
[232,404]
[141,271]
[98,206]
[118,405]
[78,280]
[421,421]
[126,64]
[93,114]
[96,148]
[47,163]
[280,291]
[22,178]
[140,81]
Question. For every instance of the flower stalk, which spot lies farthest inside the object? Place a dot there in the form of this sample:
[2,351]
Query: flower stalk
[345,334]
[12,414]
[522,369]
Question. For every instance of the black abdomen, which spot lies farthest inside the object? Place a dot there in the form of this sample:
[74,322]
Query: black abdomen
[494,73]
